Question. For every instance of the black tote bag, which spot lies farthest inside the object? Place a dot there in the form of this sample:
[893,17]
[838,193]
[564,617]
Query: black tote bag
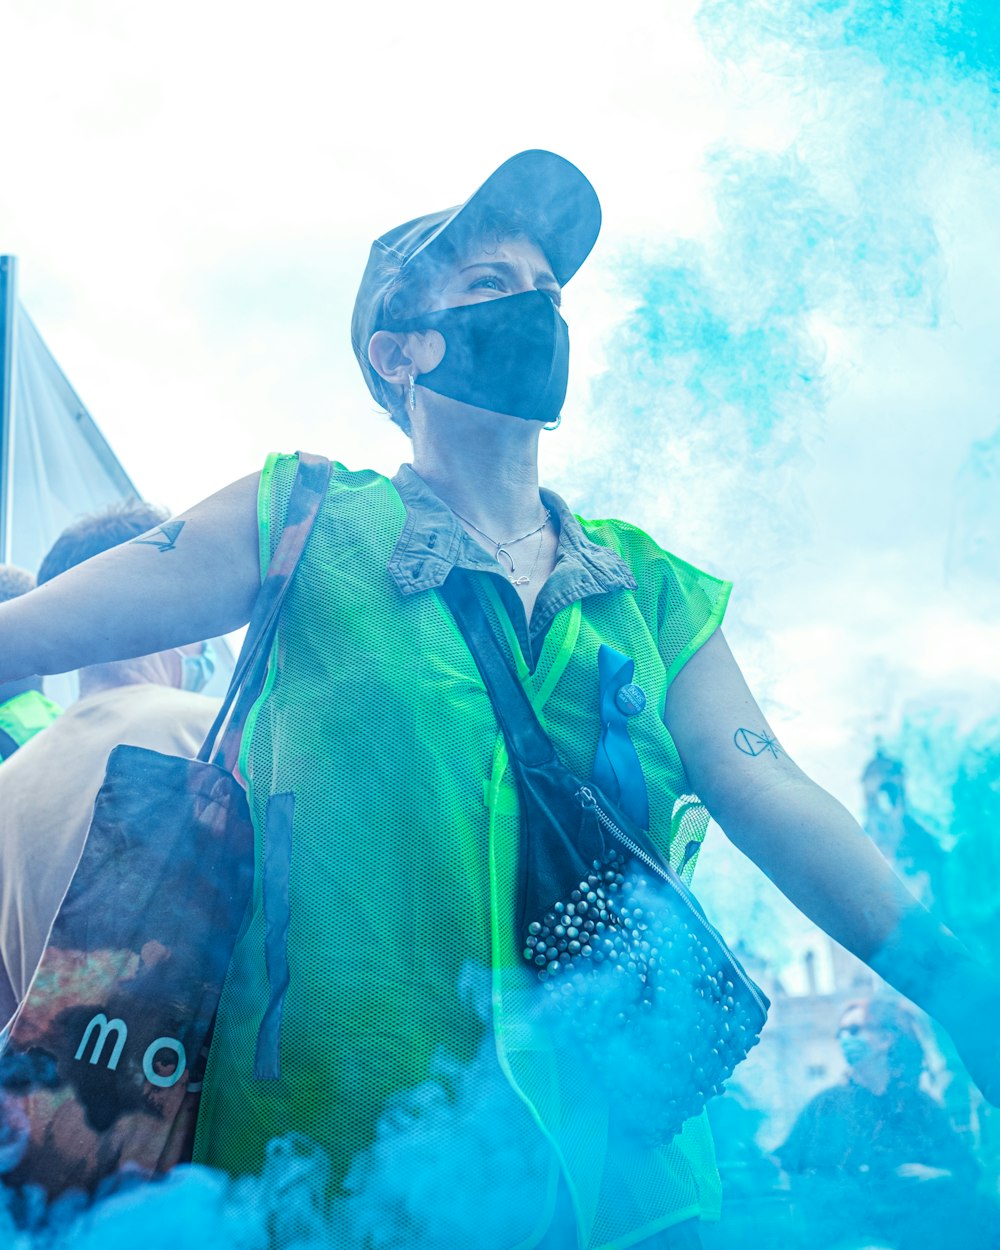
[101,1065]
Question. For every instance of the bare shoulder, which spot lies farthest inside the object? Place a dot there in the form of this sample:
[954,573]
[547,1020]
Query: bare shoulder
[211,548]
[721,734]
[194,576]
[235,504]
[709,682]
[222,527]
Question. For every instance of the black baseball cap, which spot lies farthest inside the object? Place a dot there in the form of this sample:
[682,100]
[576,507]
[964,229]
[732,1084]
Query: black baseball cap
[545,190]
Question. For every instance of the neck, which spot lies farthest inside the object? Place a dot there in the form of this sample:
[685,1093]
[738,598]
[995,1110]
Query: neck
[874,1076]
[11,689]
[484,467]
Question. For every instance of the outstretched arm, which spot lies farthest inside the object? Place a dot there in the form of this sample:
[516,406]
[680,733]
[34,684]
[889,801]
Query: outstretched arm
[817,855]
[194,577]
[804,840]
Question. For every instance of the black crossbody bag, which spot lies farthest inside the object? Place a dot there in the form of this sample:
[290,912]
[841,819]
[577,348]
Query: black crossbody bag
[652,1000]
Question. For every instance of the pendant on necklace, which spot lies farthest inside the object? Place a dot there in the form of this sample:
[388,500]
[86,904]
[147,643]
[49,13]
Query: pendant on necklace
[520,581]
[502,551]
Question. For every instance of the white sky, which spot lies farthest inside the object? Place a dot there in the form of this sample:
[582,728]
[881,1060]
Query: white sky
[192,190]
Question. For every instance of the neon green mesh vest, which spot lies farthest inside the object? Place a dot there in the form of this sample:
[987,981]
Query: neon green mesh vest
[387,829]
[26,715]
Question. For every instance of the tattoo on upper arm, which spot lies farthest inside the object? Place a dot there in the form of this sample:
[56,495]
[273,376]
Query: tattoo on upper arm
[751,743]
[164,538]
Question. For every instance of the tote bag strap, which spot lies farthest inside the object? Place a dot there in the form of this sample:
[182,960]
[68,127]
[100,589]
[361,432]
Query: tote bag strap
[522,730]
[222,744]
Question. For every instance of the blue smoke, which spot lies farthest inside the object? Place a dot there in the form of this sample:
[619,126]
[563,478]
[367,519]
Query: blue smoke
[941,53]
[973,557]
[718,381]
[952,777]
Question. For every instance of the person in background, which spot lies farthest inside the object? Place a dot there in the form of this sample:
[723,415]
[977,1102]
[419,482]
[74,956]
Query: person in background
[24,709]
[47,790]
[875,1154]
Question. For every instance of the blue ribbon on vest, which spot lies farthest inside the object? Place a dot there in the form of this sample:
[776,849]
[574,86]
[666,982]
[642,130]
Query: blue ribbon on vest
[616,765]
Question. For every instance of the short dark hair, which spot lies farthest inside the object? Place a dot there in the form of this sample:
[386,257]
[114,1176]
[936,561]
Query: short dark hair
[99,532]
[409,287]
[14,582]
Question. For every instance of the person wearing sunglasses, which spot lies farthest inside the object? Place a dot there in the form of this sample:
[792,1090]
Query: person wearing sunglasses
[876,1154]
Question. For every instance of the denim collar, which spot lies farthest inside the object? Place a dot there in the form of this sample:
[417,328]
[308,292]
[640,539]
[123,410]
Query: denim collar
[433,543]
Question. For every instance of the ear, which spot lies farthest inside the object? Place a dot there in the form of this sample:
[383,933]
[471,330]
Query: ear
[395,356]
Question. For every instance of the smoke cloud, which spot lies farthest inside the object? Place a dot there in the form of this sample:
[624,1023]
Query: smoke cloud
[719,380]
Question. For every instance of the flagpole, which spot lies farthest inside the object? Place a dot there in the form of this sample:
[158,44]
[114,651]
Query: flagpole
[8,312]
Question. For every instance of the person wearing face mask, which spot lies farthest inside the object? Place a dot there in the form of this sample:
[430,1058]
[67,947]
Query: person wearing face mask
[387,820]
[877,1155]
[48,788]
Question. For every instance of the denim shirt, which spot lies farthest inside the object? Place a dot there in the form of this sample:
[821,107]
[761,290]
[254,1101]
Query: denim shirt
[433,542]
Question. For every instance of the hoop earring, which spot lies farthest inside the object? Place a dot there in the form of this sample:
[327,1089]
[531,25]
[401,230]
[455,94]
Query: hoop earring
[554,425]
[413,394]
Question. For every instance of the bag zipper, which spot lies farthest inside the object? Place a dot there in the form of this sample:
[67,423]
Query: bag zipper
[588,800]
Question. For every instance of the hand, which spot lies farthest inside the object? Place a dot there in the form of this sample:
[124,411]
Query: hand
[927,963]
[971,1015]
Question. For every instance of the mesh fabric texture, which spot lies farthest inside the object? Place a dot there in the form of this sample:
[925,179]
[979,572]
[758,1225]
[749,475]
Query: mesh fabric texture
[26,715]
[403,850]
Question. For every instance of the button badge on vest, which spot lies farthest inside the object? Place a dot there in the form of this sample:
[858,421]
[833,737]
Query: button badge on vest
[630,699]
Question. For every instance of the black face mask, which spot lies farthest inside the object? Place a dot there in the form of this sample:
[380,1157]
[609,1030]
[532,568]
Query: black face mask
[508,355]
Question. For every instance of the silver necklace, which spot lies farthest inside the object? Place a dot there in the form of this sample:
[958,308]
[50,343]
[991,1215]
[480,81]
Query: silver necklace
[525,579]
[503,545]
